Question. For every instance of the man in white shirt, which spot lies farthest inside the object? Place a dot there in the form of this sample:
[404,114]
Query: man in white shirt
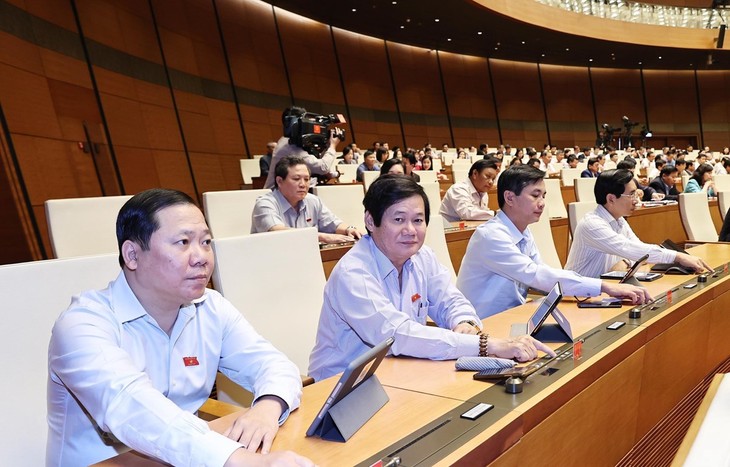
[291,206]
[603,237]
[502,262]
[468,200]
[389,283]
[130,365]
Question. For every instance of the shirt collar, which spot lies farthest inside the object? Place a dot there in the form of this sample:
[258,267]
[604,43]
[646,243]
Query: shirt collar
[604,214]
[384,265]
[283,202]
[127,307]
[514,233]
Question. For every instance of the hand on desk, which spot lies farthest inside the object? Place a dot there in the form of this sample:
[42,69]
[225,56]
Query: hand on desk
[258,425]
[636,295]
[522,348]
[335,238]
[692,262]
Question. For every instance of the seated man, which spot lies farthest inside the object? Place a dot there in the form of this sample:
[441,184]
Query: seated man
[468,200]
[265,161]
[389,283]
[647,193]
[131,364]
[603,237]
[291,206]
[592,169]
[502,262]
[368,165]
[664,183]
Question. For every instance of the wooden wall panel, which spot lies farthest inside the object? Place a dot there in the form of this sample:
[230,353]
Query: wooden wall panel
[369,89]
[519,103]
[249,31]
[618,93]
[420,96]
[715,97]
[470,101]
[569,107]
[672,101]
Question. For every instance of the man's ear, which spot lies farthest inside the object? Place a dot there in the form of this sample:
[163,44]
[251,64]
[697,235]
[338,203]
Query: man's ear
[129,254]
[369,223]
[509,197]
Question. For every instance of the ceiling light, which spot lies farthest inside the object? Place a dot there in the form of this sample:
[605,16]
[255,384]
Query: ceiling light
[590,59]
[402,27]
[567,49]
[480,33]
[395,3]
[354,10]
[523,42]
[660,57]
[449,39]
[437,20]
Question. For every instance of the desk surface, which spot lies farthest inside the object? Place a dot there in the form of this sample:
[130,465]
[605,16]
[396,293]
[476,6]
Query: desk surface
[638,366]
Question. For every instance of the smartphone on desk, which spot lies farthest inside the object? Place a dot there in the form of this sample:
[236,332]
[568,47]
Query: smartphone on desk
[601,303]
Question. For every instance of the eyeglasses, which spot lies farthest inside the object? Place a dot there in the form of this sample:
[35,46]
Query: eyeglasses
[633,194]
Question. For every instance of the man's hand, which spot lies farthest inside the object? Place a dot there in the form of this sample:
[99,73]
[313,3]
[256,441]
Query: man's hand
[258,425]
[333,238]
[636,295]
[242,457]
[692,262]
[465,328]
[522,348]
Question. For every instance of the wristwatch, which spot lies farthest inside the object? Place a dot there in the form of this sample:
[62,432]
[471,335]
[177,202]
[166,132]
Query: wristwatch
[470,322]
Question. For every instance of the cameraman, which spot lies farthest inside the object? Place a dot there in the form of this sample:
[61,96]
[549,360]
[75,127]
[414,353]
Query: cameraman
[322,166]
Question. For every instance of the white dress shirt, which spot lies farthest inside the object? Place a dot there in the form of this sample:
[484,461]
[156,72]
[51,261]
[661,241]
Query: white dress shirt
[600,241]
[497,271]
[463,202]
[273,209]
[365,303]
[112,369]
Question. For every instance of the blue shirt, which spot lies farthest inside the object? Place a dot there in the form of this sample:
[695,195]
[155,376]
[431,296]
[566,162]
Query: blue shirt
[495,275]
[364,305]
[273,209]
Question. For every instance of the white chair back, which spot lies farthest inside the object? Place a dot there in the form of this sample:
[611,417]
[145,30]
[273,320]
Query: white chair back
[568,176]
[554,199]
[543,235]
[696,219]
[436,240]
[369,177]
[229,212]
[437,166]
[723,202]
[584,189]
[345,201]
[348,172]
[448,158]
[475,157]
[461,164]
[83,226]
[685,179]
[577,210]
[722,182]
[460,174]
[250,168]
[34,294]
[281,302]
[433,191]
[427,176]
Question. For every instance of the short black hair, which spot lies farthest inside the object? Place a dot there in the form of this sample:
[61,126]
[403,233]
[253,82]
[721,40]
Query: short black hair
[379,154]
[137,219]
[289,117]
[387,165]
[680,161]
[570,158]
[613,182]
[533,161]
[515,179]
[389,189]
[285,163]
[659,162]
[367,153]
[591,161]
[482,164]
[626,164]
[411,158]
[668,170]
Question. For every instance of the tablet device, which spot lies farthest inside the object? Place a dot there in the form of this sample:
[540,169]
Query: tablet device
[601,303]
[546,306]
[356,373]
[628,276]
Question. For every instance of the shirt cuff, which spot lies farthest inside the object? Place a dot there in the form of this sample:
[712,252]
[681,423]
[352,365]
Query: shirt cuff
[215,449]
[467,345]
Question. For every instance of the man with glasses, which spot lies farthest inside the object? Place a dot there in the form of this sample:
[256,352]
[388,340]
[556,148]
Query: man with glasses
[603,237]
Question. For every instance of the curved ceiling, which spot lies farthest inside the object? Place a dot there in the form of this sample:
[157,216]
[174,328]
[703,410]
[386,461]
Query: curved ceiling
[463,26]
